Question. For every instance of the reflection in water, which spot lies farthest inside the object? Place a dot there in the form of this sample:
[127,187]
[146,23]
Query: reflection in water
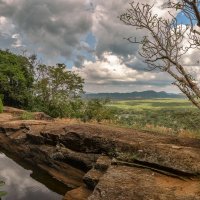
[19,184]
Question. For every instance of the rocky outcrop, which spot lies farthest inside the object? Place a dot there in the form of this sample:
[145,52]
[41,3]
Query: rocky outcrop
[101,162]
[17,113]
[92,177]
[131,183]
[80,193]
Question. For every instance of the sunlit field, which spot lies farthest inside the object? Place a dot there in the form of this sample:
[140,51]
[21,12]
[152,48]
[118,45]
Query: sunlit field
[154,104]
[174,116]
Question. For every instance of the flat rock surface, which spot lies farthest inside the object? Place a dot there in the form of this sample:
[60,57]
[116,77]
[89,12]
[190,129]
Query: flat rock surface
[130,183]
[5,117]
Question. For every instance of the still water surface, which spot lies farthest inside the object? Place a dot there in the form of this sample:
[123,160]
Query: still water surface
[25,184]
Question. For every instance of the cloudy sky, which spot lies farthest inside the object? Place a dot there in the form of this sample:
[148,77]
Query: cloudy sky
[87,36]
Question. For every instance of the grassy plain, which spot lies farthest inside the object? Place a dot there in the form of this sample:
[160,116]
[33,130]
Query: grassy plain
[174,116]
[153,104]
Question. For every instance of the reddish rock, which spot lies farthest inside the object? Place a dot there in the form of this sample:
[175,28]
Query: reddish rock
[91,178]
[81,193]
[102,163]
[130,183]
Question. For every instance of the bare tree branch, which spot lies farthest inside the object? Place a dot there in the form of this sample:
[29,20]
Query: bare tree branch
[167,41]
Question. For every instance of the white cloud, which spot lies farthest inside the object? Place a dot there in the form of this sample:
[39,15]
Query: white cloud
[110,31]
[110,69]
[8,1]
[110,74]
[17,42]
[6,26]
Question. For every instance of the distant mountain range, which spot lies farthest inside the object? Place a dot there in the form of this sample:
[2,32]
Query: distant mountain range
[149,94]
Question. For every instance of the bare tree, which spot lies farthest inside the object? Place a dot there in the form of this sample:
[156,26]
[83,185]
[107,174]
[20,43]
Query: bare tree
[167,41]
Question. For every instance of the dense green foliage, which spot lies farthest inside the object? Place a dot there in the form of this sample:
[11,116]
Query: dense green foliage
[176,114]
[52,89]
[16,79]
[96,109]
[57,91]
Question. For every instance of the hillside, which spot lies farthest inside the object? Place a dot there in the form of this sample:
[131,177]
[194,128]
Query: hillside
[149,94]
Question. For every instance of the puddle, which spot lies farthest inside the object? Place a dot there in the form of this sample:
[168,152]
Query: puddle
[27,183]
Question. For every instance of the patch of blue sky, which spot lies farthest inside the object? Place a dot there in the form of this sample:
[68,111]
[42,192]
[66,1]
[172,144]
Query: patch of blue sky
[87,54]
[183,19]
[54,60]
[70,61]
[91,40]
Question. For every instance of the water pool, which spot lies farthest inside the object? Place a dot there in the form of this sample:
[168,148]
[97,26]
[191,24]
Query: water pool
[23,182]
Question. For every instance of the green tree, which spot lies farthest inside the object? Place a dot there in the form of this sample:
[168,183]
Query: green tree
[16,79]
[96,109]
[57,90]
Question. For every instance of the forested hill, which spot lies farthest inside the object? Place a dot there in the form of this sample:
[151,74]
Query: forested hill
[149,94]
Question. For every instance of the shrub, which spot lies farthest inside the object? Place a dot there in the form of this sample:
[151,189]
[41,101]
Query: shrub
[69,109]
[27,116]
[96,109]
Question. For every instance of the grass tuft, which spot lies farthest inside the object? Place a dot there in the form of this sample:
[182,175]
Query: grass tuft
[27,116]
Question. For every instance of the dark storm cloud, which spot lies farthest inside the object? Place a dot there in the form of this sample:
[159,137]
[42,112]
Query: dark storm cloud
[79,60]
[110,31]
[55,26]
